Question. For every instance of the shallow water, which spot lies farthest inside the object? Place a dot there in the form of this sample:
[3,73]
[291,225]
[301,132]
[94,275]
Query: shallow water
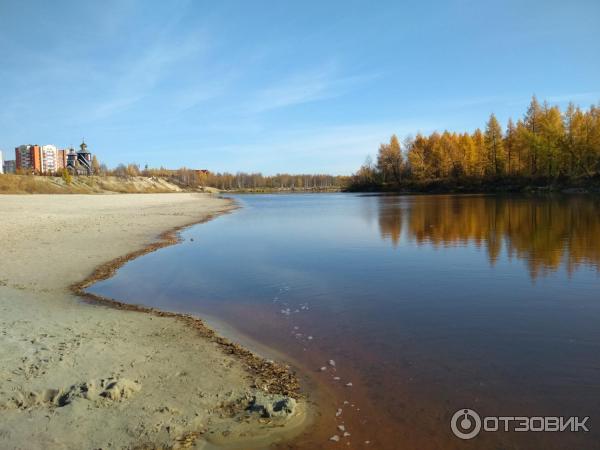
[427,304]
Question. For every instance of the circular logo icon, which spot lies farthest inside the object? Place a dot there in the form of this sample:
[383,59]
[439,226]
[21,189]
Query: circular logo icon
[465,424]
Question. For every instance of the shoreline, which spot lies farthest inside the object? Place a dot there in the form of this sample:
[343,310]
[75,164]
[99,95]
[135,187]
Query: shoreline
[60,357]
[276,377]
[510,185]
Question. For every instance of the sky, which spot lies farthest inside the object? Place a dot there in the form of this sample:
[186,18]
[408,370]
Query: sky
[278,86]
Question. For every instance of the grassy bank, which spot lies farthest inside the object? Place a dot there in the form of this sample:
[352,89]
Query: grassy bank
[29,184]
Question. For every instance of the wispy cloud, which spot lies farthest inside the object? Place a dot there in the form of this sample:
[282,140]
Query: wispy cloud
[107,108]
[137,79]
[469,102]
[575,97]
[523,100]
[310,86]
[339,149]
[510,99]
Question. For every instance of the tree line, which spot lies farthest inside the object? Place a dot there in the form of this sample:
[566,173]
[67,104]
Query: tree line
[282,181]
[545,144]
[240,181]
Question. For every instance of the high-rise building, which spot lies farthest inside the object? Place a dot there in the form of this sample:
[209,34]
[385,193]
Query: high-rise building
[1,163]
[27,158]
[49,159]
[36,159]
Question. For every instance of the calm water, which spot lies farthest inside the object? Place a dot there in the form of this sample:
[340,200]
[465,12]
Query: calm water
[427,304]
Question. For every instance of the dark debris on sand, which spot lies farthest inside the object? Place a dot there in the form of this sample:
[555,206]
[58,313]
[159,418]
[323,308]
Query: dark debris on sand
[269,376]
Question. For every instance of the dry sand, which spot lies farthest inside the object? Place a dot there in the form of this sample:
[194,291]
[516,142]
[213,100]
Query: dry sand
[81,376]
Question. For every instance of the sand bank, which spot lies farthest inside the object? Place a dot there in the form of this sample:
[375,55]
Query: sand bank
[77,375]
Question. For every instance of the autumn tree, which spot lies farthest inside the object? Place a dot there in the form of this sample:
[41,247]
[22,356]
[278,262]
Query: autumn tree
[543,143]
[133,170]
[522,147]
[95,166]
[66,176]
[468,154]
[366,175]
[510,147]
[494,147]
[389,160]
[480,153]
[551,136]
[532,122]
[445,151]
[417,157]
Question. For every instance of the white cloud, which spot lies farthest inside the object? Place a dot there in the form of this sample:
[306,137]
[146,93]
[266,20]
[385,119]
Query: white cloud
[576,97]
[310,86]
[338,149]
[137,79]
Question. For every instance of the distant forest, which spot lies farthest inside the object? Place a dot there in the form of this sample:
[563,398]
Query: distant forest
[257,182]
[240,181]
[545,146]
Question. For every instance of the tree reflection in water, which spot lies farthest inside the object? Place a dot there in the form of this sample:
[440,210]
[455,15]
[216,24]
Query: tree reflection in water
[544,231]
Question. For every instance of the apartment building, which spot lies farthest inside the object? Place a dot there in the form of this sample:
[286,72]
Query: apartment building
[27,158]
[36,159]
[51,159]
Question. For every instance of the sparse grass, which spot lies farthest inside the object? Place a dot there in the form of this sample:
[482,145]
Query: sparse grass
[24,184]
[29,184]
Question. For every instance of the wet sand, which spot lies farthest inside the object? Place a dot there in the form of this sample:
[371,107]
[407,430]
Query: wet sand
[81,375]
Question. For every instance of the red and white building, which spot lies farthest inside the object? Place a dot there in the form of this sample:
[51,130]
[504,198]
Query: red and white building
[36,159]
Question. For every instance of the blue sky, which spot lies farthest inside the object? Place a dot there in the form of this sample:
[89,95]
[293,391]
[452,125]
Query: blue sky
[274,86]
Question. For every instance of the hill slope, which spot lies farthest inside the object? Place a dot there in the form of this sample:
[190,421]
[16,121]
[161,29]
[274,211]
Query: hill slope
[27,184]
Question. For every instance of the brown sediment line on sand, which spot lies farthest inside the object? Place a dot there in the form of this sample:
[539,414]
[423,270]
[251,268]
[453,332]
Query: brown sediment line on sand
[269,376]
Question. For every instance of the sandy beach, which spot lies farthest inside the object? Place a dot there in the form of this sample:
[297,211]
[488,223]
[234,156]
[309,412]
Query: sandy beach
[76,375]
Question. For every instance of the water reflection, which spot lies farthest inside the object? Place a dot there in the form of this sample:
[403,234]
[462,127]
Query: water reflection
[415,298]
[545,232]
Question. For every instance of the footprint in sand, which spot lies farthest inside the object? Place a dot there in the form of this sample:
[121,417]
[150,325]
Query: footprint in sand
[100,392]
